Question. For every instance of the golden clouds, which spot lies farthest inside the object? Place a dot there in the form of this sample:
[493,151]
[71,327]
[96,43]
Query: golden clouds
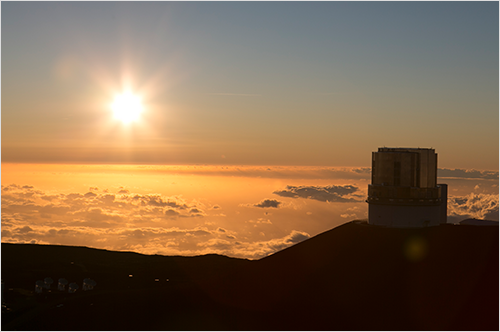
[239,211]
[147,223]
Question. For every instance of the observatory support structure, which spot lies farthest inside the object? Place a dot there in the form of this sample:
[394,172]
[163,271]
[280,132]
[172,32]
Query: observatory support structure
[404,190]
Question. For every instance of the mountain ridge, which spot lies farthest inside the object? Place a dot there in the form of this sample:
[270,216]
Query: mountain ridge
[353,277]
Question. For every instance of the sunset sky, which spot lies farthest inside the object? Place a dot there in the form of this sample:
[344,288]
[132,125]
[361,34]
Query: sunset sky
[244,107]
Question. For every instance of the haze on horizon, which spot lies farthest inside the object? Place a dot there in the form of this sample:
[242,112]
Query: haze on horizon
[196,127]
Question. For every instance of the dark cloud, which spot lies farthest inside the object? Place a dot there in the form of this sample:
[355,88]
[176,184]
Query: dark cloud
[97,214]
[25,229]
[467,174]
[49,197]
[21,191]
[137,233]
[156,232]
[298,172]
[93,223]
[289,192]
[324,194]
[199,232]
[275,172]
[15,199]
[19,208]
[307,172]
[156,200]
[268,203]
[171,213]
[74,196]
[362,170]
[176,205]
[107,198]
[195,213]
[50,209]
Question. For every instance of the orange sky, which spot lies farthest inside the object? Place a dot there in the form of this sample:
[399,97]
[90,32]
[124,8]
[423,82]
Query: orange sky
[240,211]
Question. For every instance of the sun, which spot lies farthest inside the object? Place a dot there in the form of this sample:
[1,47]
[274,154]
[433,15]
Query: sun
[127,107]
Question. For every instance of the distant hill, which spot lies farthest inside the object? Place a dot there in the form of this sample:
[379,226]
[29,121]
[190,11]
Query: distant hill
[353,277]
[479,222]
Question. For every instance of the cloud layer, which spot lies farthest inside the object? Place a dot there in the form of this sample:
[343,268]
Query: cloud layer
[268,203]
[467,174]
[150,224]
[337,194]
[478,206]
[212,220]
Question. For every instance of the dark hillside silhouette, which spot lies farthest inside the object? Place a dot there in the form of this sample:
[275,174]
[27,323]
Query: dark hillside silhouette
[353,277]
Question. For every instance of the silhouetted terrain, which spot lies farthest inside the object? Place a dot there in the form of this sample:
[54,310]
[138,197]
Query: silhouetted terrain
[353,277]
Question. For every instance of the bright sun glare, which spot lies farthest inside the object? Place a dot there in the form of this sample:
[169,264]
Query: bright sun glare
[127,107]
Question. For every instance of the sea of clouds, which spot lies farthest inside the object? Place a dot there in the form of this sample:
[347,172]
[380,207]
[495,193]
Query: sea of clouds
[124,220]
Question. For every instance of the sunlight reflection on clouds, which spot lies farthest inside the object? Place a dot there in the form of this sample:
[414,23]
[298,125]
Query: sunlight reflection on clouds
[197,209]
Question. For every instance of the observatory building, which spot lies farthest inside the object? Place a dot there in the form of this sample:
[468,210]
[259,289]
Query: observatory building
[404,190]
